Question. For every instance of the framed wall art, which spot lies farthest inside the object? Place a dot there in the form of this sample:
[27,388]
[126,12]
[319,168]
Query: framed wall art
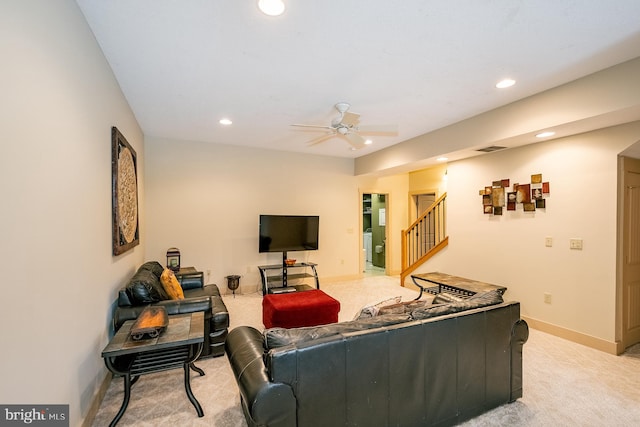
[124,191]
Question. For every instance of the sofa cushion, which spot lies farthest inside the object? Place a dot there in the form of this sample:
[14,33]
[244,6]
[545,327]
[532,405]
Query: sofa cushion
[488,298]
[402,307]
[153,266]
[171,285]
[475,301]
[278,337]
[371,310]
[145,288]
[445,297]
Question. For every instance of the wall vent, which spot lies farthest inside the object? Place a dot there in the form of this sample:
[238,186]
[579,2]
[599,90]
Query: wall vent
[491,149]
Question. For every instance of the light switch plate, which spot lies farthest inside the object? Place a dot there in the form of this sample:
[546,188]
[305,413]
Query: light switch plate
[575,244]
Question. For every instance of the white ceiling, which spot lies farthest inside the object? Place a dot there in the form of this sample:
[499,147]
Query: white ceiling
[420,64]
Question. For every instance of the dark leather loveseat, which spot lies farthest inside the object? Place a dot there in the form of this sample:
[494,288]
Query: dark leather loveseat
[144,289]
[422,368]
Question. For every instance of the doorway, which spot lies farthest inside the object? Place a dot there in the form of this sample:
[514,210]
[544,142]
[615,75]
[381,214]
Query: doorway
[631,252]
[374,233]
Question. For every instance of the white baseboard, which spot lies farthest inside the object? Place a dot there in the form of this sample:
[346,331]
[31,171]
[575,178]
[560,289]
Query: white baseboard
[97,401]
[574,336]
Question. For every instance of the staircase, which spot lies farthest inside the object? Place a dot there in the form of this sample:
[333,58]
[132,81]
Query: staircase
[424,238]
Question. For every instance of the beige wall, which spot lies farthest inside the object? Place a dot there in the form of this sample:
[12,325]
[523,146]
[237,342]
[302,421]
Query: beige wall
[59,101]
[206,200]
[510,250]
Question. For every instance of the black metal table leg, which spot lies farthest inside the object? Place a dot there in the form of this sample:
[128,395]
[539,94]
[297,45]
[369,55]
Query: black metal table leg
[187,387]
[195,368]
[127,390]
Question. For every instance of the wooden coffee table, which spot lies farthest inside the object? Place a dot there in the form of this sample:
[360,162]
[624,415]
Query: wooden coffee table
[177,347]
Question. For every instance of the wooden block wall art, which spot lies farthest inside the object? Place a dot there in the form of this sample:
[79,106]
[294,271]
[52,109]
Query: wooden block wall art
[530,196]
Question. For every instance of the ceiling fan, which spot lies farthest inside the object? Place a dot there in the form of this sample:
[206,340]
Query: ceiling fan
[346,125]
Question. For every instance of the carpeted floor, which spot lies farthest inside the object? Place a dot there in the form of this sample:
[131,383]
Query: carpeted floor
[564,383]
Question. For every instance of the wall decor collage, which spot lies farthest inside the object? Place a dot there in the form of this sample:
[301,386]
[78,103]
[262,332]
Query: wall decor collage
[531,196]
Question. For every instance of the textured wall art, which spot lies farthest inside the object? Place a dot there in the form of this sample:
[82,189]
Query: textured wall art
[529,196]
[124,190]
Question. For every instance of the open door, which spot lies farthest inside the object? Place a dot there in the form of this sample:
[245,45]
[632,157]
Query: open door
[631,253]
[374,224]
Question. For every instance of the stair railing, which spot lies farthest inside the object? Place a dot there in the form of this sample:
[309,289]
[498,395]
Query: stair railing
[425,237]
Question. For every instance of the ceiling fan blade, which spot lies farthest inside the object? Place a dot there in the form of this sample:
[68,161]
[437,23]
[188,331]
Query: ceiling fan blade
[313,126]
[350,119]
[320,139]
[378,129]
[355,140]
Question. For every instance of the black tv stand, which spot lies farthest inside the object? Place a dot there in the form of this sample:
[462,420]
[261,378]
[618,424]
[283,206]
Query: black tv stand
[279,282]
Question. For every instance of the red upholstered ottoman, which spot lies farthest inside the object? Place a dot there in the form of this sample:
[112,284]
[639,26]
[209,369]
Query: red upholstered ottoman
[296,309]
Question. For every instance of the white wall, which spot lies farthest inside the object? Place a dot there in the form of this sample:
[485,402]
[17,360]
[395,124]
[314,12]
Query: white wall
[510,249]
[59,101]
[205,199]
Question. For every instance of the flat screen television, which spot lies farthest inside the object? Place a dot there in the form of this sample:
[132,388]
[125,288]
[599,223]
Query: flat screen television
[283,233]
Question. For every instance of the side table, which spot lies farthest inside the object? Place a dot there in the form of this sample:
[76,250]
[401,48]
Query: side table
[442,282]
[178,346]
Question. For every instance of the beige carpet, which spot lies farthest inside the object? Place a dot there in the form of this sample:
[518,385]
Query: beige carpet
[565,384]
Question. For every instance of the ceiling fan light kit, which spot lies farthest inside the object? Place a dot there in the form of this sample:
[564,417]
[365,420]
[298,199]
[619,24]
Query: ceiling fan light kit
[342,107]
[346,125]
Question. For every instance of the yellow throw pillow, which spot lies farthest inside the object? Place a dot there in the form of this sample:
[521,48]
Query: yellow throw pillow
[171,285]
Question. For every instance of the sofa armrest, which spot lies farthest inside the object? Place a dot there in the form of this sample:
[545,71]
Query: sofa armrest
[123,298]
[519,336]
[264,402]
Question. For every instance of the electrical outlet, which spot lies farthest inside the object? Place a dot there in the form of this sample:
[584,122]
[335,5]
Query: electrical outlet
[548,241]
[547,298]
[575,244]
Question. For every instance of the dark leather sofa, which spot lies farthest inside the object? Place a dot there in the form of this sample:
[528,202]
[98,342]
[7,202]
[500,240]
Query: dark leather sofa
[144,289]
[438,366]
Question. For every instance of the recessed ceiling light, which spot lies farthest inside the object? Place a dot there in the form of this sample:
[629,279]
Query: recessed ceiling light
[271,7]
[545,134]
[368,142]
[442,159]
[502,84]
[225,122]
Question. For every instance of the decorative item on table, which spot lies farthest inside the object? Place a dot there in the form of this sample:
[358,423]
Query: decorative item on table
[151,322]
[290,262]
[173,259]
